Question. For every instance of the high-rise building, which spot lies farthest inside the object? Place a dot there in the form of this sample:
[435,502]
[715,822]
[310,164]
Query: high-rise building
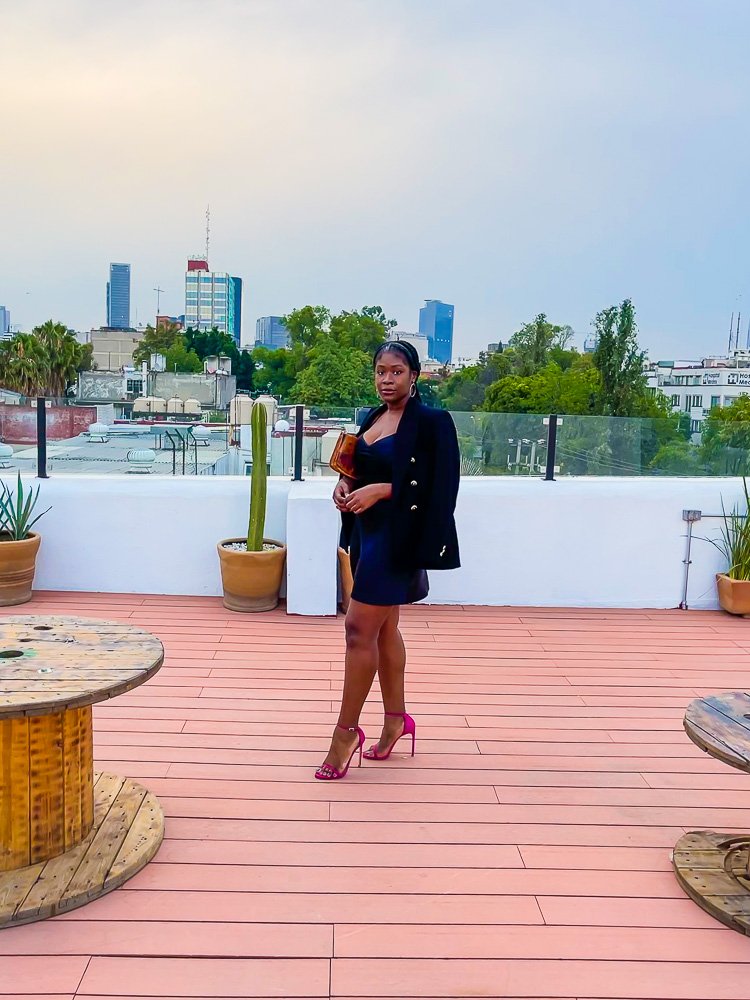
[236,286]
[212,299]
[4,323]
[271,332]
[118,297]
[436,323]
[417,340]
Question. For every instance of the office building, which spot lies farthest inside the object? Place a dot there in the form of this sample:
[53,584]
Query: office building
[697,387]
[436,323]
[417,340]
[213,299]
[118,297]
[4,323]
[271,332]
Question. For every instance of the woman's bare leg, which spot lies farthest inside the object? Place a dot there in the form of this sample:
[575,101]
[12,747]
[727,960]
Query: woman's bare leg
[391,671]
[363,626]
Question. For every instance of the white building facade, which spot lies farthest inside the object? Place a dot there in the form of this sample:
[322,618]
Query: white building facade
[697,387]
[210,298]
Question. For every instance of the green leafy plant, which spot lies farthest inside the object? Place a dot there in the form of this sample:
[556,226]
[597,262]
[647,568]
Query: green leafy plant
[16,511]
[734,543]
[259,479]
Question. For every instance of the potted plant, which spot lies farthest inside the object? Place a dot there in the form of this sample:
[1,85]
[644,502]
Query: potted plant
[18,543]
[252,567]
[734,585]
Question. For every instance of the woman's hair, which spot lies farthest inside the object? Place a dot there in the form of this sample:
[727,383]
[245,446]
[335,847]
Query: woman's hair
[407,351]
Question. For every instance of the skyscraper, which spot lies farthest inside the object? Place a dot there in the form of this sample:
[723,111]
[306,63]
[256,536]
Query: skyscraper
[236,331]
[271,332]
[118,297]
[212,299]
[436,323]
[4,323]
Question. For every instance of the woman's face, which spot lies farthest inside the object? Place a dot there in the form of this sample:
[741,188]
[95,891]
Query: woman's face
[393,377]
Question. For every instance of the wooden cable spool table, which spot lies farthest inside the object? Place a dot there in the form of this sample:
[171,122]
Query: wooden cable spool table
[67,835]
[714,868]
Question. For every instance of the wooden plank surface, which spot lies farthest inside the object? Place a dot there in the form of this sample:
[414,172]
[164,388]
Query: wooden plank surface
[525,850]
[48,663]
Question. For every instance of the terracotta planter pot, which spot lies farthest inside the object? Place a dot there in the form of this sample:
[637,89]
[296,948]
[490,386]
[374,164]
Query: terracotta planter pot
[734,595]
[17,566]
[347,580]
[251,580]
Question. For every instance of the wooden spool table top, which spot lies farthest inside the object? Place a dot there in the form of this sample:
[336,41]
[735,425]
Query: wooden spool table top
[50,664]
[720,725]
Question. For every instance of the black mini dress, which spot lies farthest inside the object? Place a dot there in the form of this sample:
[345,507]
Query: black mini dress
[376,580]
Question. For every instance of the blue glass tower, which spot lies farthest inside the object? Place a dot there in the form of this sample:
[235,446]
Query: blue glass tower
[118,297]
[235,290]
[436,323]
[271,332]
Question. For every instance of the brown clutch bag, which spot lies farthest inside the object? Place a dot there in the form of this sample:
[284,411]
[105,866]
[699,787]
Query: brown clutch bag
[342,459]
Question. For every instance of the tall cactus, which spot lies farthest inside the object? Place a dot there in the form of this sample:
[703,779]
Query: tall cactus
[259,479]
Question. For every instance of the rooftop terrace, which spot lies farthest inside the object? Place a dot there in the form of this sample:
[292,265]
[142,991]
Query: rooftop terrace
[525,851]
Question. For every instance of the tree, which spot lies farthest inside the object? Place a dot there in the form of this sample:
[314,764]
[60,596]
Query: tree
[44,362]
[335,376]
[725,442]
[466,388]
[619,361]
[180,359]
[533,343]
[273,372]
[156,341]
[214,342]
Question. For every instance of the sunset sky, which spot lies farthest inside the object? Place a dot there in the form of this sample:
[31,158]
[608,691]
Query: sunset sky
[508,157]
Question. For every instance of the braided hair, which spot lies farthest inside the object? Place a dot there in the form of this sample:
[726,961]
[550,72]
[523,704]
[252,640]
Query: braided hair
[407,351]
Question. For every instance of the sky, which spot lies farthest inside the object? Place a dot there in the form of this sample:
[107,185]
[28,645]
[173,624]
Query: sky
[508,156]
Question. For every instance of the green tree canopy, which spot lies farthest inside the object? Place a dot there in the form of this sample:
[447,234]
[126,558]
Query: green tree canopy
[619,361]
[336,376]
[180,359]
[534,342]
[156,341]
[44,362]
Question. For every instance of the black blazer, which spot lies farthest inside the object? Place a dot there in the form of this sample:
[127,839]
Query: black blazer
[426,475]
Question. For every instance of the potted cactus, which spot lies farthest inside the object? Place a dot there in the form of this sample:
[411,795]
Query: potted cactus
[252,567]
[18,543]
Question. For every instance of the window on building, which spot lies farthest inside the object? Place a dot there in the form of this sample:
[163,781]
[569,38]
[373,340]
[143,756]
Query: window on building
[715,401]
[675,400]
[134,385]
[695,401]
[695,426]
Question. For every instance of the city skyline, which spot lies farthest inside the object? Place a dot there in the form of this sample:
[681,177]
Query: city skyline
[510,158]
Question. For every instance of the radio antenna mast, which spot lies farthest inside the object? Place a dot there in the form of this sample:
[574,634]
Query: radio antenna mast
[208,229]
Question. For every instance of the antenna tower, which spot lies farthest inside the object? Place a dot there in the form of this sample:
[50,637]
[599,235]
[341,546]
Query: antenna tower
[208,228]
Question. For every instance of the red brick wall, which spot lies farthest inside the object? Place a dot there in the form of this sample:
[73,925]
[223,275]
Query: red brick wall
[18,423]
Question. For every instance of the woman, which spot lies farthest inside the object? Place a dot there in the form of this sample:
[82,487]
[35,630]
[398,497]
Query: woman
[397,523]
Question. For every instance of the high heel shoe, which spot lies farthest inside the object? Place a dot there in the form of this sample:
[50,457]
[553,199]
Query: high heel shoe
[327,772]
[410,729]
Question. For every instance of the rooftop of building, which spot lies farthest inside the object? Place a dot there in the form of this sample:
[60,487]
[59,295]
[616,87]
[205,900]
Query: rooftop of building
[524,852]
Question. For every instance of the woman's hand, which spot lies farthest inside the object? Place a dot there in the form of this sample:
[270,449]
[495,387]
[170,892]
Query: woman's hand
[340,494]
[367,496]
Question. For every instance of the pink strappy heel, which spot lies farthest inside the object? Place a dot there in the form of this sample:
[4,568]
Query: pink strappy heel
[410,729]
[327,772]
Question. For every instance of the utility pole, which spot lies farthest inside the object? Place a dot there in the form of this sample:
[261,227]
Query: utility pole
[158,299]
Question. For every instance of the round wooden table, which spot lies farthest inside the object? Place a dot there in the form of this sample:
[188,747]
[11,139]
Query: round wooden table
[67,835]
[714,868]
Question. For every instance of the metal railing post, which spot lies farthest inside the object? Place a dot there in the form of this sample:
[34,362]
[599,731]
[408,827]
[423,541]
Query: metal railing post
[298,432]
[551,422]
[41,438]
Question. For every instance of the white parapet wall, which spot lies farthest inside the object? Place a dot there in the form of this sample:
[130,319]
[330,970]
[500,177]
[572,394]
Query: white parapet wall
[584,542]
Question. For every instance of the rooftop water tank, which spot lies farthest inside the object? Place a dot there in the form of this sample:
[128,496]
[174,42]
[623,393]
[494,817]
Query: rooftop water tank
[175,405]
[142,404]
[240,409]
[193,406]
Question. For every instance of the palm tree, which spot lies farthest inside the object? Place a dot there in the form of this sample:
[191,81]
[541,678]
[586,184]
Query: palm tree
[63,354]
[23,365]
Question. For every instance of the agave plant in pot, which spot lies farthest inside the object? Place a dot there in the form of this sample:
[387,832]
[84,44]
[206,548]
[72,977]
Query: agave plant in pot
[252,567]
[18,543]
[734,585]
